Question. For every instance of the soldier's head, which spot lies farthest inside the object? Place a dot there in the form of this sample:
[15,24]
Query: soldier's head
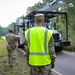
[39,18]
[10,30]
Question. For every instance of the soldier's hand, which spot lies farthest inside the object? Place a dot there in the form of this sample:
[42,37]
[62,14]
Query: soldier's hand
[53,57]
[9,48]
[25,54]
[52,65]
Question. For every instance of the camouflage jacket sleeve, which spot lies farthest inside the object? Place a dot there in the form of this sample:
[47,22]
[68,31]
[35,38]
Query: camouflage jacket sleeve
[26,41]
[52,50]
[11,38]
[26,45]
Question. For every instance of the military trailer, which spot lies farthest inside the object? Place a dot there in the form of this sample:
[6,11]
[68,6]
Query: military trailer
[49,13]
[59,43]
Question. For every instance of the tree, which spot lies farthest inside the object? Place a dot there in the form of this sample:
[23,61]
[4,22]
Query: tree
[38,6]
[3,31]
[0,31]
[12,25]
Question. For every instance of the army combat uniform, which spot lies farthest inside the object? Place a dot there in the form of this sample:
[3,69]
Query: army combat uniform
[41,54]
[12,47]
[45,70]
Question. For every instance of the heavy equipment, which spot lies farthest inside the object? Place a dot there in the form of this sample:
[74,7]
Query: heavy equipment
[49,13]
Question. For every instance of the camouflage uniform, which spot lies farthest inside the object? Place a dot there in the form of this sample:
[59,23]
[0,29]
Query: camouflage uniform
[43,70]
[12,42]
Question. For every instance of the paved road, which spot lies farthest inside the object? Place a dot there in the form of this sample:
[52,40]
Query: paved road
[65,63]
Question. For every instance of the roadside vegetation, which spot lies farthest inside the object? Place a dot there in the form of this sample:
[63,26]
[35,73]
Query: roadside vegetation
[20,67]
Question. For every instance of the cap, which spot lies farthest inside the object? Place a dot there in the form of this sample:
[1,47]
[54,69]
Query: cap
[11,30]
[39,17]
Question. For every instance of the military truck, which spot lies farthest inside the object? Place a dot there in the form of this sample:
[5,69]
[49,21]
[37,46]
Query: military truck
[48,12]
[59,43]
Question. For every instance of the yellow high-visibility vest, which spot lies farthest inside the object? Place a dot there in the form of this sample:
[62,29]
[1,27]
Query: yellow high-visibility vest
[38,39]
[26,28]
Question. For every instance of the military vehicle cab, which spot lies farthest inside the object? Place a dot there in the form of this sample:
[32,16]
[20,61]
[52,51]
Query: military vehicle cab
[59,42]
[49,13]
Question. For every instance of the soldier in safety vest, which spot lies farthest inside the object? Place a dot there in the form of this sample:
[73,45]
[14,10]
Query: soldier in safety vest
[41,54]
[12,41]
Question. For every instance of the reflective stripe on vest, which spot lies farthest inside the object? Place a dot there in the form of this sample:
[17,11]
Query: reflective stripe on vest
[45,44]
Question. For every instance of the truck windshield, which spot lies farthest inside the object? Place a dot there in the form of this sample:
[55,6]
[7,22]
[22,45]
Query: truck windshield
[49,25]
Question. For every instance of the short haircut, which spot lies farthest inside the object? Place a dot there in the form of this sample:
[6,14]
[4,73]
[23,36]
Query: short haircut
[11,30]
[39,17]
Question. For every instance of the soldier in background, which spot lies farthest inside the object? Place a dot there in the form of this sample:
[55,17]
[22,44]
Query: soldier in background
[12,41]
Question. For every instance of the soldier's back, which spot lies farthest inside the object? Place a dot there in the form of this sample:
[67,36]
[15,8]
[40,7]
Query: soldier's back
[11,38]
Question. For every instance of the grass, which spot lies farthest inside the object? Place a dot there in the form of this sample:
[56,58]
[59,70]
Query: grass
[20,67]
[3,50]
[70,48]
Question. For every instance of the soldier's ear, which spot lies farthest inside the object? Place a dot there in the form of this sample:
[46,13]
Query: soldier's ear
[42,21]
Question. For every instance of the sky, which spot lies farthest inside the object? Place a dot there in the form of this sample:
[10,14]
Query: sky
[10,10]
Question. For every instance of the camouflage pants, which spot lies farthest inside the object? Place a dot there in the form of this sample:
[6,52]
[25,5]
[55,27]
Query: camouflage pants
[12,56]
[42,70]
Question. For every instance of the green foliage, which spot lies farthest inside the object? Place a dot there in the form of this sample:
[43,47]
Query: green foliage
[47,1]
[71,21]
[35,7]
[38,6]
[19,68]
[2,47]
[12,25]
[70,48]
[61,28]
[3,31]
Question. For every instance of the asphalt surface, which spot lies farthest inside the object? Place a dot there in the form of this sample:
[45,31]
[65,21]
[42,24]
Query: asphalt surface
[65,63]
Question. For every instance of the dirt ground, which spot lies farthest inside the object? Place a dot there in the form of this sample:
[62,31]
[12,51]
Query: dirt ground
[21,54]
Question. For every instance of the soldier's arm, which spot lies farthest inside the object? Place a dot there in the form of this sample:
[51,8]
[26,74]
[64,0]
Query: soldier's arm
[52,50]
[15,39]
[26,49]
[26,42]
[6,38]
[26,45]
